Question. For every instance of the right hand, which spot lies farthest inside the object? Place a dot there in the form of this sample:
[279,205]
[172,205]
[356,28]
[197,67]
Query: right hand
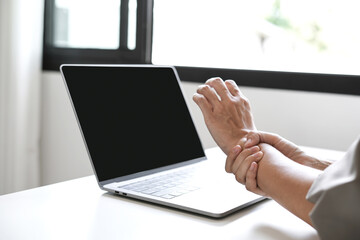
[226,111]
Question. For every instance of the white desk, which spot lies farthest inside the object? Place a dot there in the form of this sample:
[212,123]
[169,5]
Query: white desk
[78,209]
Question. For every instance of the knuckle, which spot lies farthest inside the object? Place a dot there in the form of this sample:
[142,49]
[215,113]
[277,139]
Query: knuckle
[249,161]
[250,151]
[197,97]
[203,88]
[254,149]
[242,142]
[239,178]
[215,80]
[229,101]
[236,90]
[230,81]
[233,169]
[246,151]
[233,84]
[200,99]
[245,102]
[252,134]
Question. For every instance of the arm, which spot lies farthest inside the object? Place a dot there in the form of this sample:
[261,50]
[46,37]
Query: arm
[287,182]
[286,147]
[227,114]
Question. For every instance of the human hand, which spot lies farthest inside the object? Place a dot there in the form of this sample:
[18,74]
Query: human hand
[226,111]
[244,165]
[286,147]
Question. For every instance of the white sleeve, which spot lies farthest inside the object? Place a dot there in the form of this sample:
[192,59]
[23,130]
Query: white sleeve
[336,195]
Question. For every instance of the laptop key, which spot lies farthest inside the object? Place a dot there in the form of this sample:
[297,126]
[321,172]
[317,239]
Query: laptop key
[149,191]
[166,186]
[168,196]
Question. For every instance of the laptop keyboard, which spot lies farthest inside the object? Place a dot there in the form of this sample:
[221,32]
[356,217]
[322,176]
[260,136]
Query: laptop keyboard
[167,186]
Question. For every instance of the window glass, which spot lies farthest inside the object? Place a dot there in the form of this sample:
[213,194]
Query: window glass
[305,36]
[131,41]
[87,24]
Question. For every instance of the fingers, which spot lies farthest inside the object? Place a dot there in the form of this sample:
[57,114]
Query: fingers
[235,91]
[209,93]
[251,183]
[253,138]
[251,180]
[203,104]
[233,87]
[243,164]
[220,87]
[231,158]
[215,87]
[241,171]
[242,157]
[237,156]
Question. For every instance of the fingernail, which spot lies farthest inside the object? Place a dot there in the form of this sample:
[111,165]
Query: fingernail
[258,155]
[248,141]
[236,149]
[252,166]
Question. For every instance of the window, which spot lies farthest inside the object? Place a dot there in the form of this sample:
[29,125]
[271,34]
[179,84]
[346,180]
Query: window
[87,31]
[96,31]
[300,45]
[279,35]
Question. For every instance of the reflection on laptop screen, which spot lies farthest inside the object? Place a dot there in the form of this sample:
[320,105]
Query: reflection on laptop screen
[132,118]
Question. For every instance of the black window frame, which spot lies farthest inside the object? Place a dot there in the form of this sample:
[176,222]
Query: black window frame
[299,81]
[53,57]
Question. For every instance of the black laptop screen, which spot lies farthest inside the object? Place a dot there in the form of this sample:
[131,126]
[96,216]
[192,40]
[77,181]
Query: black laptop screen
[132,118]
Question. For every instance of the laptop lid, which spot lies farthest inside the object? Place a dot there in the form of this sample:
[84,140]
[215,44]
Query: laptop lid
[133,118]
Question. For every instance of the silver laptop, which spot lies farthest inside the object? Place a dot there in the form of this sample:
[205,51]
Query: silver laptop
[142,141]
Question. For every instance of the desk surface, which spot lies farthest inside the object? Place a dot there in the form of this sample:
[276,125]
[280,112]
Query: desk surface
[78,209]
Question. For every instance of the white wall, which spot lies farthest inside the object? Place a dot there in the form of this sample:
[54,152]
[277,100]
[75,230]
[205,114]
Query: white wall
[63,154]
[310,119]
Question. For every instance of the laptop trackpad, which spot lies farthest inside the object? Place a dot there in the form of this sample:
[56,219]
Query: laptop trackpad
[219,198]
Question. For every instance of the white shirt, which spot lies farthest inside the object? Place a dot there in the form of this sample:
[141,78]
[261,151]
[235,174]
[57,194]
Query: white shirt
[336,195]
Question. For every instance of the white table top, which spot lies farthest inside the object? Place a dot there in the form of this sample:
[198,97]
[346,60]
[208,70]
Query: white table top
[78,209]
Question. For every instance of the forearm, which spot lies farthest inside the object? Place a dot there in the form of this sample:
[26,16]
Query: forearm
[291,150]
[286,182]
[313,162]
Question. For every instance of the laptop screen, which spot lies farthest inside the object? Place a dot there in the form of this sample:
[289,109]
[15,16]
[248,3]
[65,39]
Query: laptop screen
[133,118]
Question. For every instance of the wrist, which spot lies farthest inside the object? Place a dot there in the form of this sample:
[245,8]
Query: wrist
[270,168]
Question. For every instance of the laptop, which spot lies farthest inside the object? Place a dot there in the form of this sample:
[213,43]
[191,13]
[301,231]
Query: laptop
[142,141]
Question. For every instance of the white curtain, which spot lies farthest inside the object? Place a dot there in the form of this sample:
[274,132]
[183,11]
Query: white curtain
[21,25]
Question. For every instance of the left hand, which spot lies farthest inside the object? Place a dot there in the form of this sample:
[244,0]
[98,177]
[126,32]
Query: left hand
[244,165]
[226,111]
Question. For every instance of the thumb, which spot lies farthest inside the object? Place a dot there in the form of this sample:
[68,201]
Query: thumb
[253,138]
